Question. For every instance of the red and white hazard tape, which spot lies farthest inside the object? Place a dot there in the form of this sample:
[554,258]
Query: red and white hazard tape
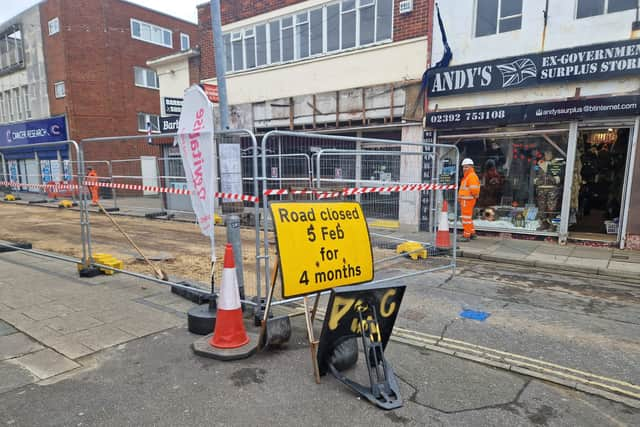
[244,197]
[135,187]
[54,187]
[362,190]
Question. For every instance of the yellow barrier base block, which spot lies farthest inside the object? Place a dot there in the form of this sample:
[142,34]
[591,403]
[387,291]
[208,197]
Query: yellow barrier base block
[108,260]
[414,250]
[384,223]
[65,204]
[9,198]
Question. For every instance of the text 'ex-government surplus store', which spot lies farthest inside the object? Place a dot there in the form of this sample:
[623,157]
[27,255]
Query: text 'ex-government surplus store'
[553,136]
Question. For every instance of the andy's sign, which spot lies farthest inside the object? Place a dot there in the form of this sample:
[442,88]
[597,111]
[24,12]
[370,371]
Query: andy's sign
[593,62]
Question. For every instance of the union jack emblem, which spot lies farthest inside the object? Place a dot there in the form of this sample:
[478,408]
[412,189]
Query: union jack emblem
[517,71]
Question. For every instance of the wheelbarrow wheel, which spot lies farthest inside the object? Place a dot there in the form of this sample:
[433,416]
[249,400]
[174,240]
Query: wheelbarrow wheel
[345,354]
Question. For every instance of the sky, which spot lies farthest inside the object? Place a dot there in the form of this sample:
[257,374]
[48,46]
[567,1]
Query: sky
[184,9]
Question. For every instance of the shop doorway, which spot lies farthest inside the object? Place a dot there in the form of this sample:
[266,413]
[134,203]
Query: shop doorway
[598,183]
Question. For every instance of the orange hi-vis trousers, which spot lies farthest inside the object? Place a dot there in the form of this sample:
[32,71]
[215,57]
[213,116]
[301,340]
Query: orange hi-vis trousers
[94,194]
[466,211]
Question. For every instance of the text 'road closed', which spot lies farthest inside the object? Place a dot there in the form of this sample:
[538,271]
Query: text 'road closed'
[322,245]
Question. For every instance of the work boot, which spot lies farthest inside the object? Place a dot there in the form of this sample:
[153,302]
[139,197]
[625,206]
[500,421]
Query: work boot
[464,239]
[474,236]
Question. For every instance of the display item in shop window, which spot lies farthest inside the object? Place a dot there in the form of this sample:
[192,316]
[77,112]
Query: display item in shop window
[518,220]
[492,186]
[489,214]
[468,194]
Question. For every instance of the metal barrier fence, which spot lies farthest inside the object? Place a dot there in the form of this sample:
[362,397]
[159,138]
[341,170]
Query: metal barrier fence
[387,177]
[156,187]
[81,248]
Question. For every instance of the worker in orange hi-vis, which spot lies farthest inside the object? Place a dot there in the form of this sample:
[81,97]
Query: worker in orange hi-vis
[92,184]
[467,197]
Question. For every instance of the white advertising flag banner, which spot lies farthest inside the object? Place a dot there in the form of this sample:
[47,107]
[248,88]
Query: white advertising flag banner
[197,150]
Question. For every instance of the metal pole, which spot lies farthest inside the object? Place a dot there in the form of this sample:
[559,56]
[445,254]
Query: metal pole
[38,168]
[631,150]
[233,237]
[113,190]
[4,168]
[60,166]
[218,43]
[568,183]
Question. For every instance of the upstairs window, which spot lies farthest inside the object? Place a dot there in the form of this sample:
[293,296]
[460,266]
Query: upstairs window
[18,100]
[151,33]
[26,102]
[498,16]
[54,26]
[144,77]
[11,50]
[59,90]
[337,26]
[145,120]
[588,8]
[184,41]
[8,110]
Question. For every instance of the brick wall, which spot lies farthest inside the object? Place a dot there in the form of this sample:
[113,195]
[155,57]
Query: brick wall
[414,24]
[205,41]
[194,70]
[95,55]
[407,26]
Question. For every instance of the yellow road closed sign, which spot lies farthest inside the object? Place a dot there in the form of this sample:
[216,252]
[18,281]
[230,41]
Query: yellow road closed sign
[322,245]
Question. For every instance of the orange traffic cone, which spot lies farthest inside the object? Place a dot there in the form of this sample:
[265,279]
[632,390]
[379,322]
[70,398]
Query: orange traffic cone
[229,330]
[443,240]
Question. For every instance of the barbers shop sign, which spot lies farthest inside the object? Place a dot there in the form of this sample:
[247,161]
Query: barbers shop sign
[593,62]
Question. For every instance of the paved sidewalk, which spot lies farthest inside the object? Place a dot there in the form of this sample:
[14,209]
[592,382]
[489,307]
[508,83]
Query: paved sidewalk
[603,261]
[50,318]
[77,339]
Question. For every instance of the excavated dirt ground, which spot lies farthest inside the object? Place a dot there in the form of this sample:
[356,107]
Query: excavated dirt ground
[58,230]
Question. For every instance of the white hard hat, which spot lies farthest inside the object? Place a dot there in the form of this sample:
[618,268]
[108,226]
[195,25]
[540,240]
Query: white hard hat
[467,161]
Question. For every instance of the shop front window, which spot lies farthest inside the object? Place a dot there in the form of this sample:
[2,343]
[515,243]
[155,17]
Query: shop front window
[521,178]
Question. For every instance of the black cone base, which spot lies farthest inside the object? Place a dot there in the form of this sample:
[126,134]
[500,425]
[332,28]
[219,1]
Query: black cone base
[201,320]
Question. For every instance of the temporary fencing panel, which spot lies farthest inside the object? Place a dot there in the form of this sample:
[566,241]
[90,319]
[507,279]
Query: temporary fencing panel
[385,176]
[72,241]
[161,192]
[388,177]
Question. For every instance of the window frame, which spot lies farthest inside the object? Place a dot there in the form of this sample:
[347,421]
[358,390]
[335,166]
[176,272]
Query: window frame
[55,20]
[14,56]
[26,102]
[184,36]
[277,24]
[498,19]
[147,118]
[8,104]
[57,85]
[151,28]
[605,10]
[146,78]
[18,103]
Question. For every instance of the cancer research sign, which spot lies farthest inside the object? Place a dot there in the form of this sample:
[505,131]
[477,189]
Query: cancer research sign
[593,62]
[33,132]
[195,139]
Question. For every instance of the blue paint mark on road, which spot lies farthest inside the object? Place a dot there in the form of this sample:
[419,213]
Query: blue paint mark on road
[475,315]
